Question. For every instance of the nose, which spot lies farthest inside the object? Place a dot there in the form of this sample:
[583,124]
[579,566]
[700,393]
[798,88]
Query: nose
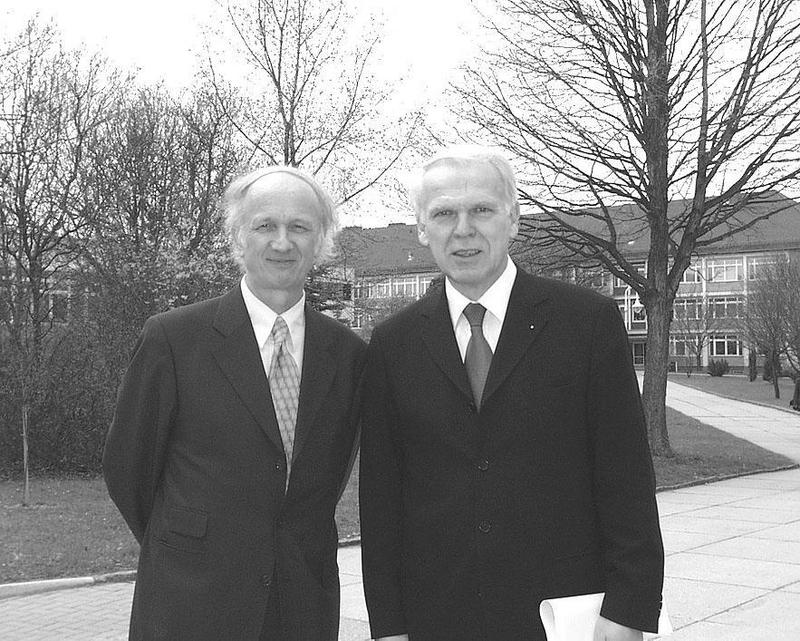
[280,242]
[463,224]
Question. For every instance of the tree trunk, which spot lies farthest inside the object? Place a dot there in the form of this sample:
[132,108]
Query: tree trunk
[752,365]
[776,371]
[26,492]
[654,390]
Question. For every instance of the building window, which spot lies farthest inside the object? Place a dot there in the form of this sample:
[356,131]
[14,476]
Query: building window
[726,307]
[639,353]
[424,284]
[594,278]
[641,268]
[58,306]
[358,318]
[406,286]
[726,345]
[757,265]
[681,346]
[686,309]
[383,289]
[691,275]
[724,269]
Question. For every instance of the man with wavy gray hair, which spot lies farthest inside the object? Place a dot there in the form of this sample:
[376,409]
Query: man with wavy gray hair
[233,435]
[504,457]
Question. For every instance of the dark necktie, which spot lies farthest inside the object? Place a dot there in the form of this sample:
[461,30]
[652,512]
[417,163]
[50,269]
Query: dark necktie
[479,354]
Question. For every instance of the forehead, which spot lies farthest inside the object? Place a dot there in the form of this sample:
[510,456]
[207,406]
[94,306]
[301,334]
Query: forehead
[281,194]
[462,179]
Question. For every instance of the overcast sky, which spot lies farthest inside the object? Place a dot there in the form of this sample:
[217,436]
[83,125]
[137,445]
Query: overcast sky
[428,38]
[424,41]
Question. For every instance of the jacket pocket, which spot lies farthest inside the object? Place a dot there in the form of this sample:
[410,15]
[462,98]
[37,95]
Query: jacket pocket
[184,529]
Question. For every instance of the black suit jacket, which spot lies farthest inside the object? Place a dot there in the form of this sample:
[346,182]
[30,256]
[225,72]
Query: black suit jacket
[194,462]
[469,519]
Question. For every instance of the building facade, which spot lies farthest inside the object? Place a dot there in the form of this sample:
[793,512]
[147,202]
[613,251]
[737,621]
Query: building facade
[390,269]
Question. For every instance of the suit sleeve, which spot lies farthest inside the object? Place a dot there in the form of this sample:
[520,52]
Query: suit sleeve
[380,500]
[355,418]
[624,481]
[135,447]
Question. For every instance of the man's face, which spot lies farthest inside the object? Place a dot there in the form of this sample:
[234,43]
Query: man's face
[467,222]
[281,235]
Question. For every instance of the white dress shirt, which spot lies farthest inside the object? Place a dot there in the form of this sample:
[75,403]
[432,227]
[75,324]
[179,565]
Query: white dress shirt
[495,300]
[263,318]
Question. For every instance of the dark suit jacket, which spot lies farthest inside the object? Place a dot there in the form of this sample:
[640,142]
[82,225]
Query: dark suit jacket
[469,519]
[194,462]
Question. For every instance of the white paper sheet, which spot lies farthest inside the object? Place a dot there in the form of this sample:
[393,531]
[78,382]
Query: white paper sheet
[573,618]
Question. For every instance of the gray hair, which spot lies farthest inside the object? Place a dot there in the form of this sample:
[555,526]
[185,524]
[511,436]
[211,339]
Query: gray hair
[237,190]
[462,156]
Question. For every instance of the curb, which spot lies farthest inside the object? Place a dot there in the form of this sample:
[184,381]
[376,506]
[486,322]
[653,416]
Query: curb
[787,410]
[26,588]
[725,477]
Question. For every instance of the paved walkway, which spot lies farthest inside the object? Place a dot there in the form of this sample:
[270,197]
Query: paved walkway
[732,570]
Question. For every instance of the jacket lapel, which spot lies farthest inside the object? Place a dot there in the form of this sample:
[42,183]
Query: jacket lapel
[319,367]
[526,317]
[238,357]
[437,333]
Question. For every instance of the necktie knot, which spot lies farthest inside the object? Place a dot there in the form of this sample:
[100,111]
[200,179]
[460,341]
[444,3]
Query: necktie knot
[280,331]
[474,313]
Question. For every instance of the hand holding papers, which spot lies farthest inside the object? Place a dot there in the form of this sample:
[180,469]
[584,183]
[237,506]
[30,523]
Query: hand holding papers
[573,618]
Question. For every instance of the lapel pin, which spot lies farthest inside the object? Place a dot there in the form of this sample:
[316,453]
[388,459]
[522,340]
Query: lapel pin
[532,326]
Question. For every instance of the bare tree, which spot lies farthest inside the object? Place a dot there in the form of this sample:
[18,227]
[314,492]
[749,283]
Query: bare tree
[791,273]
[160,166]
[671,123]
[307,97]
[772,319]
[694,323]
[51,102]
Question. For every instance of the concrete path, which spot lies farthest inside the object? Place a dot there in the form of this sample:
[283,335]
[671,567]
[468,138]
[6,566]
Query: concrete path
[732,570]
[733,547]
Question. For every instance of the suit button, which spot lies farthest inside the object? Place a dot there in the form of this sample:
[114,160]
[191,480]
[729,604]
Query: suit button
[473,408]
[483,465]
[485,526]
[266,580]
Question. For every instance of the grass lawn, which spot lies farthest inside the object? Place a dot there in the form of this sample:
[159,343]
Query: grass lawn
[706,453]
[739,387]
[73,529]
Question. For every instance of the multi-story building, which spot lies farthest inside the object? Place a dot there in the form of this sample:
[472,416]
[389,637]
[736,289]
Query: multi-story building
[388,267]
[709,309]
[388,264]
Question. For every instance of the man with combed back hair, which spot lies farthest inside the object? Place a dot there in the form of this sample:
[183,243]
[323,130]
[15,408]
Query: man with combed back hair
[504,456]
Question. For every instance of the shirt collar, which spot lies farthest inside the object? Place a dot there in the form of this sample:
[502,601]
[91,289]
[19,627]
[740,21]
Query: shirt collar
[262,317]
[495,299]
